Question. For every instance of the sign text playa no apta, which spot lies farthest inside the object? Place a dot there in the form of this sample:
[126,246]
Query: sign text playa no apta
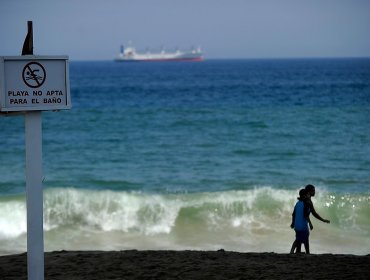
[34,83]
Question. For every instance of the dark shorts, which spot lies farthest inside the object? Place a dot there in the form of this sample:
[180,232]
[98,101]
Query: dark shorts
[302,235]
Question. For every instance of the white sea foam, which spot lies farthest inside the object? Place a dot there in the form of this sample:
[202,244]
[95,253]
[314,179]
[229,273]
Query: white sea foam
[12,219]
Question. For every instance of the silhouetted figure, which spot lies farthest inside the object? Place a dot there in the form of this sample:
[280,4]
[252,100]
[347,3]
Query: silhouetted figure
[300,222]
[300,219]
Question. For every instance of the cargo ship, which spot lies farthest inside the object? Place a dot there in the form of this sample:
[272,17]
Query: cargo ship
[130,54]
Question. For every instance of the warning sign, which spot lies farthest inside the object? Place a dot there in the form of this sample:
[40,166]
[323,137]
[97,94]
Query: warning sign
[29,83]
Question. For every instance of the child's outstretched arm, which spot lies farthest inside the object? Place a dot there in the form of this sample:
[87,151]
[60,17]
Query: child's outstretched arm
[315,214]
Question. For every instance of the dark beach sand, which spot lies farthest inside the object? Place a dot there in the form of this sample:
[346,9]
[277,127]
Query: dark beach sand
[189,265]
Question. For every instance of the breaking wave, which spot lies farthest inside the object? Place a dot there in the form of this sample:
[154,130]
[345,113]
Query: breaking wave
[248,220]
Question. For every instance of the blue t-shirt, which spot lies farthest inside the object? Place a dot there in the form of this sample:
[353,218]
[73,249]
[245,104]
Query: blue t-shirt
[300,221]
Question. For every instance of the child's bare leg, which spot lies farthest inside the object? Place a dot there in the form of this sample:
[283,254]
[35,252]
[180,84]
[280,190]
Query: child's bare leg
[294,246]
[298,250]
[307,247]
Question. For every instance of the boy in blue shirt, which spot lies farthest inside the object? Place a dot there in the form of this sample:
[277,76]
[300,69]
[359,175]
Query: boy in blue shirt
[300,222]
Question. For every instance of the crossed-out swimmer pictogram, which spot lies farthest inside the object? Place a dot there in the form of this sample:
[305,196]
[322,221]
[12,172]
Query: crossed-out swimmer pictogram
[34,74]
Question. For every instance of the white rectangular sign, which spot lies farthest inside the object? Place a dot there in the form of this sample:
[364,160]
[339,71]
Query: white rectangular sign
[34,83]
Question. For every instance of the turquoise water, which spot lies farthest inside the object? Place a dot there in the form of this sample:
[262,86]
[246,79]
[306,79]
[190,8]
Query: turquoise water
[198,156]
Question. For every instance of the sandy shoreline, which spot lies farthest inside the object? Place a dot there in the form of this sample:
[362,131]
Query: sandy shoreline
[188,265]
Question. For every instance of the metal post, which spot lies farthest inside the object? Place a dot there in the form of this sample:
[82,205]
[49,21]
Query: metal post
[35,233]
[34,195]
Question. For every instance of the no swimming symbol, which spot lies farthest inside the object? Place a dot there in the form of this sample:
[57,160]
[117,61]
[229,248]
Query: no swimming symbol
[34,74]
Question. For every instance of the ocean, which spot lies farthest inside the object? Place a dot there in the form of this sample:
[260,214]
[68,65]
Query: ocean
[198,156]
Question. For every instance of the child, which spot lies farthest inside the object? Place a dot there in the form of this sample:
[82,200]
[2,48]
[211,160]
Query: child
[300,222]
[311,193]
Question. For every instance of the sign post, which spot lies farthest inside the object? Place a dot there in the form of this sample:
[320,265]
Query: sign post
[34,194]
[31,84]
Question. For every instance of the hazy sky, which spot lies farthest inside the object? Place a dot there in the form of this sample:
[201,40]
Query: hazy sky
[94,29]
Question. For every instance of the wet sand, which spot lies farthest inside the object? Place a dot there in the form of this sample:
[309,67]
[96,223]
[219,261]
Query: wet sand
[73,265]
